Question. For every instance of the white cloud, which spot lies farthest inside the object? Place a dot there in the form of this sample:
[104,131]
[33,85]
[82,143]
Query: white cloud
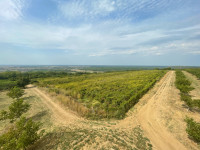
[92,40]
[105,5]
[84,8]
[195,52]
[11,9]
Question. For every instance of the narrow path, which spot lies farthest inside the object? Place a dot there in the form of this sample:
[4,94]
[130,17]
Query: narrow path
[60,115]
[148,118]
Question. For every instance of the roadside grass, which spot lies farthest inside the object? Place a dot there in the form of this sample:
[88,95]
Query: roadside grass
[5,101]
[37,111]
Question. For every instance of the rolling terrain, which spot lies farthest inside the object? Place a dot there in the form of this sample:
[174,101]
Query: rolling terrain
[155,122]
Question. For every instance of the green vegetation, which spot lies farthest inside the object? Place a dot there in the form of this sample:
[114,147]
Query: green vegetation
[21,135]
[184,85]
[108,95]
[23,132]
[193,129]
[15,75]
[7,84]
[16,109]
[195,72]
[16,92]
[14,78]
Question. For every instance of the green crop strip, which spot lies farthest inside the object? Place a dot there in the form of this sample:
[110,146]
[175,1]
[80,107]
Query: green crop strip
[195,72]
[106,95]
[184,85]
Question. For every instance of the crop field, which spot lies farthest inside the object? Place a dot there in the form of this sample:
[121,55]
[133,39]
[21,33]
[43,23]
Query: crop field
[195,72]
[6,84]
[108,95]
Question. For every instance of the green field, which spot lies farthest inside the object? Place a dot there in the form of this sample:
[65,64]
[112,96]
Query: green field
[108,95]
[6,84]
[195,72]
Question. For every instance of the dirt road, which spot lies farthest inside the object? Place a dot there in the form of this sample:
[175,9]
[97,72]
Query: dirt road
[60,116]
[160,114]
[148,118]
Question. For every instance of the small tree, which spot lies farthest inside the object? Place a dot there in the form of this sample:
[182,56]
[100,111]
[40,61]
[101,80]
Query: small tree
[16,92]
[16,109]
[22,82]
[24,133]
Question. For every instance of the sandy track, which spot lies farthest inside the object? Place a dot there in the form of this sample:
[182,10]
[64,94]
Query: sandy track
[60,116]
[161,116]
[149,114]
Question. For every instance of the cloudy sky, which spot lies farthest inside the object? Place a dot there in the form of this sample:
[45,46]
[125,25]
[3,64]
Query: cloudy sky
[100,32]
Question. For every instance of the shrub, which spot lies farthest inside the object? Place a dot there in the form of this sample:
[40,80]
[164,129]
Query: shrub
[16,109]
[21,135]
[22,82]
[193,129]
[15,92]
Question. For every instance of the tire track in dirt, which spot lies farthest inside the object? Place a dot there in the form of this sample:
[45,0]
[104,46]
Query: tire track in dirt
[60,115]
[150,113]
[148,118]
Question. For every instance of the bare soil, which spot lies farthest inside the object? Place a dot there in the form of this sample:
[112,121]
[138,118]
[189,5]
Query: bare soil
[60,116]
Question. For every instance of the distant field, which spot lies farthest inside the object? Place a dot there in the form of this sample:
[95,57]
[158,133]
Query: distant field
[105,94]
[78,68]
[6,84]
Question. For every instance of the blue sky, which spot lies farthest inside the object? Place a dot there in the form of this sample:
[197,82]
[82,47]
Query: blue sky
[100,32]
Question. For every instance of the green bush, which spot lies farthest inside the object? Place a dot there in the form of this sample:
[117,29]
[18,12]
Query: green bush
[184,85]
[193,129]
[195,71]
[15,92]
[16,109]
[21,135]
[7,84]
